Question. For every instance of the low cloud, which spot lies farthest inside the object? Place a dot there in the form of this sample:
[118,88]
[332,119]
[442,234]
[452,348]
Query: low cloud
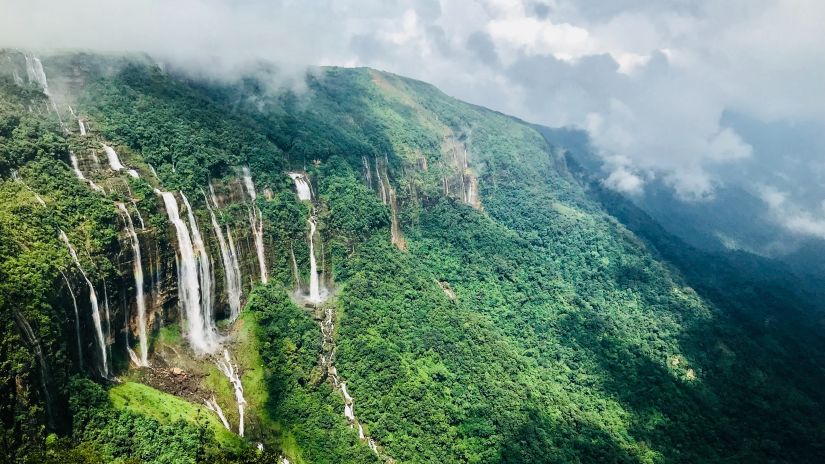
[652,80]
[791,216]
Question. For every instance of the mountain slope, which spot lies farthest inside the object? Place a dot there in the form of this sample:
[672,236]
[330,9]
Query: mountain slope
[479,302]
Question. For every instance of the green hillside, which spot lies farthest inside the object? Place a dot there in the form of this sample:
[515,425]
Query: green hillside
[491,304]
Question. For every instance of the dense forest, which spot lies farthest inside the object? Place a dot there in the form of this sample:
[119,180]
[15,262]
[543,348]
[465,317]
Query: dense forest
[453,286]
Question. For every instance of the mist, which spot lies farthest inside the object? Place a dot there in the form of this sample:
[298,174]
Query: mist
[653,82]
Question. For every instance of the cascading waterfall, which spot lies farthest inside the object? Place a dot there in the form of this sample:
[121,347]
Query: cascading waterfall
[295,267]
[381,182]
[233,250]
[213,406]
[96,317]
[137,271]
[205,268]
[114,162]
[327,360]
[301,186]
[199,332]
[79,173]
[256,221]
[82,127]
[36,73]
[304,192]
[229,370]
[314,280]
[230,262]
[137,213]
[367,172]
[41,360]
[76,321]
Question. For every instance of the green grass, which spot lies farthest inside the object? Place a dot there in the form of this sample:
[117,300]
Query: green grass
[163,407]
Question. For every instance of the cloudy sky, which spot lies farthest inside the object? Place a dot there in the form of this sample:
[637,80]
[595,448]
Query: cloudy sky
[696,93]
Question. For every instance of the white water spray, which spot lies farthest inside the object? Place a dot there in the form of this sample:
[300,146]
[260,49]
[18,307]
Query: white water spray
[213,405]
[114,160]
[204,266]
[231,269]
[79,173]
[314,280]
[93,300]
[137,270]
[229,370]
[301,186]
[200,338]
[256,221]
[76,321]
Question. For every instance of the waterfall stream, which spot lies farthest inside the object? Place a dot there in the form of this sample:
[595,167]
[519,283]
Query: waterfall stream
[201,339]
[76,320]
[231,268]
[256,222]
[96,318]
[213,405]
[314,280]
[327,360]
[32,340]
[204,268]
[301,186]
[79,173]
[114,162]
[137,270]
[230,371]
[317,293]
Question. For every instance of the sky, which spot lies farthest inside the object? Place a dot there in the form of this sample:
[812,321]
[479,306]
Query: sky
[696,93]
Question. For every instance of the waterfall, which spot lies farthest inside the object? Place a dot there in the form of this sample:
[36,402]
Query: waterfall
[231,269]
[396,237]
[137,270]
[327,359]
[234,252]
[137,213]
[36,73]
[256,221]
[367,172]
[381,182]
[76,321]
[228,369]
[114,161]
[295,267]
[205,269]
[30,336]
[301,186]
[305,194]
[93,300]
[82,127]
[115,164]
[79,173]
[213,405]
[314,281]
[199,332]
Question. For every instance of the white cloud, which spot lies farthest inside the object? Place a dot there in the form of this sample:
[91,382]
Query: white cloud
[651,79]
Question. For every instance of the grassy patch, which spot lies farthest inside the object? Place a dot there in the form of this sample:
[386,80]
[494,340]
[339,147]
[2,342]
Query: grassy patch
[166,408]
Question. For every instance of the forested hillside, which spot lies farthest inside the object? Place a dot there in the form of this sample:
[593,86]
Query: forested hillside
[362,270]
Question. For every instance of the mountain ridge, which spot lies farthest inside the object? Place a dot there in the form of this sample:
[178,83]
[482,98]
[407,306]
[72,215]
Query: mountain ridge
[522,316]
